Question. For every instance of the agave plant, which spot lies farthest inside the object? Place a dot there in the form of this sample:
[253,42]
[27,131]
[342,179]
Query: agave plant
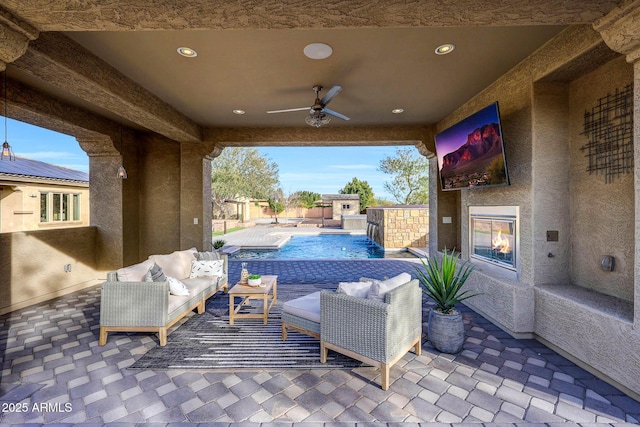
[442,281]
[218,244]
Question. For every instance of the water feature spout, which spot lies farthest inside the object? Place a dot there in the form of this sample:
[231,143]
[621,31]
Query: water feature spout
[371,230]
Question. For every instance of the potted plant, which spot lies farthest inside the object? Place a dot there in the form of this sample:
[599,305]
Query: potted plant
[442,281]
[255,280]
[218,244]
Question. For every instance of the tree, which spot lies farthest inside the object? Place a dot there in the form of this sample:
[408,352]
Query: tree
[377,201]
[410,184]
[276,205]
[241,173]
[307,199]
[362,189]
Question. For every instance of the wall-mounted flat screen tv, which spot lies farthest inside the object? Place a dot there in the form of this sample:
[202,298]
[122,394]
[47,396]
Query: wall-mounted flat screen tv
[471,152]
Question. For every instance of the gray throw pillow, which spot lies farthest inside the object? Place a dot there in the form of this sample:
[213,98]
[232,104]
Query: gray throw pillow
[156,273]
[207,256]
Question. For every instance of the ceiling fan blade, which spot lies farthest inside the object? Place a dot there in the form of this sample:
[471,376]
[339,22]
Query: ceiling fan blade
[335,114]
[288,110]
[330,95]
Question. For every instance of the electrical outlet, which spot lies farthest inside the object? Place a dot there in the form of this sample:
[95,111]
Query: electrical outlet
[195,221]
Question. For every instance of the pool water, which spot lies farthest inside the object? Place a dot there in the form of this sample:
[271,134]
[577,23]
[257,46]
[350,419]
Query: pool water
[333,246]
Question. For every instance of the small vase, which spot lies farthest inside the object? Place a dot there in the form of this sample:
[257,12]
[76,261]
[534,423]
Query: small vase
[244,274]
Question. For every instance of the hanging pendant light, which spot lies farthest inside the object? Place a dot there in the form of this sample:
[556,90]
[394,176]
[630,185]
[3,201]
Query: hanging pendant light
[122,172]
[7,152]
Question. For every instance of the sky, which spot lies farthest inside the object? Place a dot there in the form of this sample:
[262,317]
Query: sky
[324,170]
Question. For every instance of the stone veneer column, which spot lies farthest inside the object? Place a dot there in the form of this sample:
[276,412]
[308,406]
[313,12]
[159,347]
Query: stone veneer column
[620,29]
[105,200]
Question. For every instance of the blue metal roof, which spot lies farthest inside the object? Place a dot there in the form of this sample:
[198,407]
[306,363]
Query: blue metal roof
[35,168]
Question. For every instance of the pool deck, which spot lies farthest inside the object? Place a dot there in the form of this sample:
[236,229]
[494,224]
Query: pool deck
[270,236]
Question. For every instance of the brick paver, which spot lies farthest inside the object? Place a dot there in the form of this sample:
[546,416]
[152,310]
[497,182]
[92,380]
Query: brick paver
[53,368]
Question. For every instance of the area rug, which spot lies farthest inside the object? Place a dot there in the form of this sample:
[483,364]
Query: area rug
[207,341]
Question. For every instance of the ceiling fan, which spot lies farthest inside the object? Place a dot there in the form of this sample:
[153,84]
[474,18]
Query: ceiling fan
[318,113]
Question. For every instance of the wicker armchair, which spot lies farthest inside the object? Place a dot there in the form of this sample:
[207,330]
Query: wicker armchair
[372,331]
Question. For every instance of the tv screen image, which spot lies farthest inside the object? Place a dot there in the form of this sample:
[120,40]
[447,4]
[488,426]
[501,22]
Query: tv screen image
[471,152]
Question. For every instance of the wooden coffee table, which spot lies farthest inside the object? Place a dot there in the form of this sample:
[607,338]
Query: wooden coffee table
[266,292]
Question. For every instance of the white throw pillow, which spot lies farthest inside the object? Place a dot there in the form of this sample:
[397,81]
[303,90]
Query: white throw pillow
[355,289]
[381,287]
[176,287]
[206,269]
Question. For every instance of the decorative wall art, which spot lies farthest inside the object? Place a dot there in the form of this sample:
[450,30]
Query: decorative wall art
[609,127]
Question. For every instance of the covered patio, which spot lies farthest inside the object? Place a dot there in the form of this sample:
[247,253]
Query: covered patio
[560,317]
[53,357]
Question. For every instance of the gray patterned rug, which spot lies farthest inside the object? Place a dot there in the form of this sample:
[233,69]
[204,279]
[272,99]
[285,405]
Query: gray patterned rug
[207,341]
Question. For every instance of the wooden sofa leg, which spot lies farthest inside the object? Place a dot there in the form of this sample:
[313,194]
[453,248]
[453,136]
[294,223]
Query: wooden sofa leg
[418,347]
[162,334]
[384,383]
[103,336]
[284,332]
[323,352]
[201,307]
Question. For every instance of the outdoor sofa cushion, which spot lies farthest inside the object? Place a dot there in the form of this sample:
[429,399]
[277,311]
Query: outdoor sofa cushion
[134,273]
[355,289]
[176,264]
[307,307]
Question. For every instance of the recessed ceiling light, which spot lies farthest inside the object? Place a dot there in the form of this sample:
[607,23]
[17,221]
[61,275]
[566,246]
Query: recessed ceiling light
[318,51]
[397,110]
[445,48]
[188,52]
[239,112]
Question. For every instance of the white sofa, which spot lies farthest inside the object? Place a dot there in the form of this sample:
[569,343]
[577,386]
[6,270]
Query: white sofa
[132,303]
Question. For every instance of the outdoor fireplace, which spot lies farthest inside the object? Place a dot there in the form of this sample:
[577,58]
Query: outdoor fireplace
[493,235]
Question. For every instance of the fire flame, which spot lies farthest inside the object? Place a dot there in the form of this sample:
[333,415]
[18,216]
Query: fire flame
[501,244]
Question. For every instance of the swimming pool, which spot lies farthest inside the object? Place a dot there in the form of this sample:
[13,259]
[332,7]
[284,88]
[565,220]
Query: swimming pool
[340,246]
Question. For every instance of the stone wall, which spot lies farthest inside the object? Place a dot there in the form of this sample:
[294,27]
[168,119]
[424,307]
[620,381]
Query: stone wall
[397,227]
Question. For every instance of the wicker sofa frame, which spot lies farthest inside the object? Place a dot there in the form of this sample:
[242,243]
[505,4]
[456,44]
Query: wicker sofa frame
[144,306]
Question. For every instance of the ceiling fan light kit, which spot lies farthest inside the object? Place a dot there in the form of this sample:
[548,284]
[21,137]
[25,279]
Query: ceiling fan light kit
[317,119]
[318,113]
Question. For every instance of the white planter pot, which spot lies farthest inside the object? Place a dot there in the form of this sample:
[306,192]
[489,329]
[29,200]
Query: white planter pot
[255,282]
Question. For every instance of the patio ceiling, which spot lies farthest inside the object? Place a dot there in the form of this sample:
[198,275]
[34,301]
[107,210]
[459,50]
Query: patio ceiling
[119,58]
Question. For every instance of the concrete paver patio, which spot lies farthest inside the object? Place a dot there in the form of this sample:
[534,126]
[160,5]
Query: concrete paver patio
[54,372]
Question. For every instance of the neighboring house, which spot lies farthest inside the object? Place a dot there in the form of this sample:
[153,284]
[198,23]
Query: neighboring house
[35,195]
[342,204]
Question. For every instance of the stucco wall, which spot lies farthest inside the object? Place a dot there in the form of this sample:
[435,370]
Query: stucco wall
[32,265]
[565,299]
[160,196]
[337,211]
[20,211]
[602,215]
